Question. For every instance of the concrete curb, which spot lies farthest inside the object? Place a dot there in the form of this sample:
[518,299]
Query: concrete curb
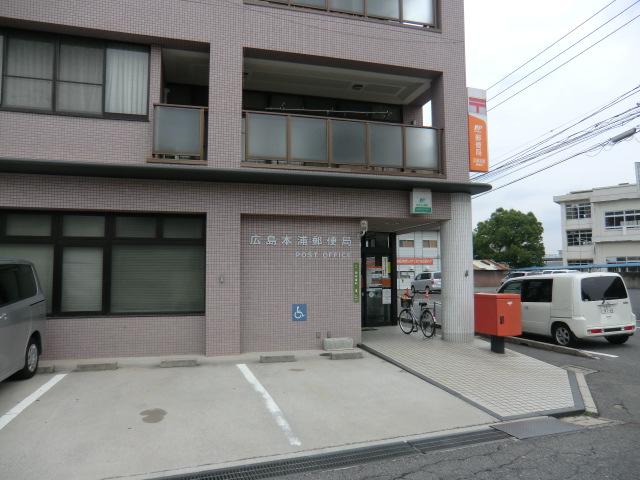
[550,347]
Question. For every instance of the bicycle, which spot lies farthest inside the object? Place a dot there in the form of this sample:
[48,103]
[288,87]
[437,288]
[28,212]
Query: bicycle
[409,323]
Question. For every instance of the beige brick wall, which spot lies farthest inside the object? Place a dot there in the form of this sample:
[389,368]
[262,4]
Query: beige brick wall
[228,26]
[288,208]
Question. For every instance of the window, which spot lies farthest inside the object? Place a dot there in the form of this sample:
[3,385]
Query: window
[97,264]
[603,288]
[622,218]
[429,244]
[584,261]
[578,237]
[578,210]
[73,75]
[407,243]
[537,291]
[512,287]
[412,12]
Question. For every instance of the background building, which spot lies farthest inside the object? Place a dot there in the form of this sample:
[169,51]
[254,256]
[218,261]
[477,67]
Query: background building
[417,252]
[188,176]
[601,225]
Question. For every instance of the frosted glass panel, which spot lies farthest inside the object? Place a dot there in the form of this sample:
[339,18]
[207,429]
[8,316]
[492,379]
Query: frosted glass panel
[347,142]
[136,227]
[182,228]
[157,279]
[30,58]
[418,11]
[31,225]
[267,136]
[354,6]
[78,97]
[127,79]
[310,3]
[80,63]
[83,226]
[386,145]
[422,148]
[27,92]
[383,8]
[81,279]
[309,139]
[177,131]
[42,258]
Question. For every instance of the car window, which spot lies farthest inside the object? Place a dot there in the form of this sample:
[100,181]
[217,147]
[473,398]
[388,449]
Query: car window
[9,291]
[437,275]
[26,282]
[603,288]
[537,291]
[511,287]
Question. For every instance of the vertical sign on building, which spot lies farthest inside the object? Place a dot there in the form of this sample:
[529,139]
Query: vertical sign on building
[638,175]
[478,139]
[356,282]
[421,201]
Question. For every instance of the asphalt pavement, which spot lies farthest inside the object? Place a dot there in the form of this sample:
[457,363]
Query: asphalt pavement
[607,451]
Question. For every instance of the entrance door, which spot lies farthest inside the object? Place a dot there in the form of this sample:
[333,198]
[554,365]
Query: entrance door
[378,285]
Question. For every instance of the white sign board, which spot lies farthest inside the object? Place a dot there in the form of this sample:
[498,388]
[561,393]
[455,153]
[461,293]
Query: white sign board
[386,296]
[421,201]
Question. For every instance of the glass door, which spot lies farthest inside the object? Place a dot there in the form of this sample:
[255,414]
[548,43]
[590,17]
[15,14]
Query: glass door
[378,279]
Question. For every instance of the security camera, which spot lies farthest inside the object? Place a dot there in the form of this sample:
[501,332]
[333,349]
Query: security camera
[364,227]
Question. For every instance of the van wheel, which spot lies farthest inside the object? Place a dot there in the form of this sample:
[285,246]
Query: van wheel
[562,335]
[617,339]
[413,290]
[31,360]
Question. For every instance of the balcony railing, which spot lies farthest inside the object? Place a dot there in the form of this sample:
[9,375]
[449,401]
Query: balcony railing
[329,142]
[179,133]
[413,12]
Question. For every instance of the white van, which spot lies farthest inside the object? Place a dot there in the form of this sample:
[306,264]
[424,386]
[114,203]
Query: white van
[22,319]
[568,306]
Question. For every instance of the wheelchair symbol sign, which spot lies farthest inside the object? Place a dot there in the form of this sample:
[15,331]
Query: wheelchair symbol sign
[299,312]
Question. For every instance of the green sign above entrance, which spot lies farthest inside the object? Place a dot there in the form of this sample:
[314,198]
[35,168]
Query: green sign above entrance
[421,202]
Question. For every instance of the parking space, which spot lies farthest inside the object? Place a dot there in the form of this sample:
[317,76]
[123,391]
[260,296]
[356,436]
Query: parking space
[140,420]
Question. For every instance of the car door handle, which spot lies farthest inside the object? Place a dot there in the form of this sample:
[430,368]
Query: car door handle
[526,307]
[3,316]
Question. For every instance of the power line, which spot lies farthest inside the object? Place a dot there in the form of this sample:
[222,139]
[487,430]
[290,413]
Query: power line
[562,52]
[600,146]
[576,121]
[554,43]
[565,63]
[574,139]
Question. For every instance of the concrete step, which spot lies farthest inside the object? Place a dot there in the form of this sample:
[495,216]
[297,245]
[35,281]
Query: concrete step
[96,367]
[338,343]
[183,362]
[275,358]
[346,355]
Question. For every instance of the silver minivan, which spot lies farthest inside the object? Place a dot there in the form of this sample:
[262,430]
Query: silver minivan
[22,319]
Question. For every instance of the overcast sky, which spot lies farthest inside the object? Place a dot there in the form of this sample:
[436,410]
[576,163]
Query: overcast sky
[503,34]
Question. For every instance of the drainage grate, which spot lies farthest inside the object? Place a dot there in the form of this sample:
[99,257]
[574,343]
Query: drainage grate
[536,427]
[458,440]
[342,459]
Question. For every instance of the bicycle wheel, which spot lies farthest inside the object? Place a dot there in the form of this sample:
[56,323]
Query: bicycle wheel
[427,324]
[405,321]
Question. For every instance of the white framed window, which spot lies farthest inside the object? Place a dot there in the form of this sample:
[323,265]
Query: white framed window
[576,211]
[577,238]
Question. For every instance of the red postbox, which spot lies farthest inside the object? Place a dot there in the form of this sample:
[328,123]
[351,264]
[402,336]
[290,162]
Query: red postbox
[498,315]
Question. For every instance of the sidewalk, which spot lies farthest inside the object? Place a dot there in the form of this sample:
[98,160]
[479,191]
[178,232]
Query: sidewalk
[506,386]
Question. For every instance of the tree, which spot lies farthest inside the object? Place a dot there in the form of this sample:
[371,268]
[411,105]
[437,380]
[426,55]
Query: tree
[510,236]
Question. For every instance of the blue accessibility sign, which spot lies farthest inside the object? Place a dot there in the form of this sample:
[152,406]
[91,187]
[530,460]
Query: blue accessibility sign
[299,312]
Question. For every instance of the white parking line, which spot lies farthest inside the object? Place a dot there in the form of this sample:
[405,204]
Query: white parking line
[17,410]
[270,403]
[600,353]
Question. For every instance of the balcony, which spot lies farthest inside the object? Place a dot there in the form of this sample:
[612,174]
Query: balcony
[299,141]
[407,12]
[179,134]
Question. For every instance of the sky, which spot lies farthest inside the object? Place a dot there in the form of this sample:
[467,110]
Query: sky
[503,34]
